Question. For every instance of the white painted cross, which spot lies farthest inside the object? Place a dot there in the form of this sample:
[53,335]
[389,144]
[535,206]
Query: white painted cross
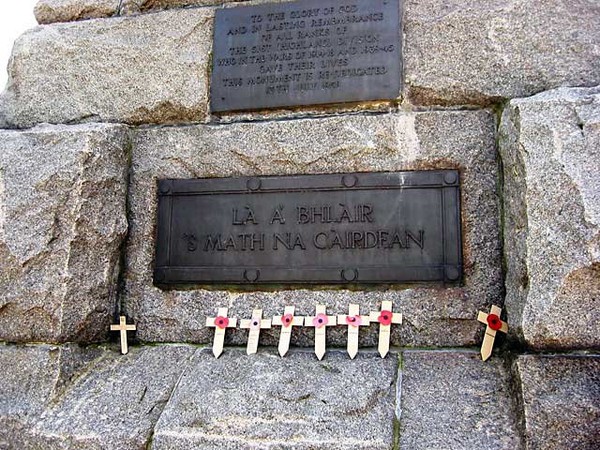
[320,321]
[493,322]
[221,323]
[354,320]
[286,322]
[386,318]
[123,328]
[255,324]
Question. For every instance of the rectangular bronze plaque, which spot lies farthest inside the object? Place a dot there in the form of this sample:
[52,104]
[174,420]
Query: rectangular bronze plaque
[305,52]
[321,229]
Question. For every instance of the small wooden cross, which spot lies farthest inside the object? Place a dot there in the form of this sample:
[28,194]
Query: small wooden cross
[386,318]
[286,322]
[493,322]
[221,323]
[123,328]
[354,320]
[320,321]
[255,324]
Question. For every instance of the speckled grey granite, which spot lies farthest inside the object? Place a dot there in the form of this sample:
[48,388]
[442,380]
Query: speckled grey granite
[404,141]
[140,6]
[266,402]
[474,52]
[150,68]
[62,225]
[550,147]
[561,397]
[455,52]
[179,397]
[113,405]
[33,376]
[50,11]
[453,400]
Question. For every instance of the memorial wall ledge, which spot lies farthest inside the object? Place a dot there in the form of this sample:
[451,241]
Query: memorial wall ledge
[154,68]
[92,397]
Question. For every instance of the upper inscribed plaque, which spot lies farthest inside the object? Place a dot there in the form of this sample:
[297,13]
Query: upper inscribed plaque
[305,52]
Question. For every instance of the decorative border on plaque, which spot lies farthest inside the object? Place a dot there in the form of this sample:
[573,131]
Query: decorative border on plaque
[399,186]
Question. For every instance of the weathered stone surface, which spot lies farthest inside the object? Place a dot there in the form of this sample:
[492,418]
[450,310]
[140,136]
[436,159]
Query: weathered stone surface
[267,402]
[138,6]
[50,11]
[62,223]
[115,405]
[473,52]
[561,397]
[406,141]
[86,398]
[31,377]
[550,146]
[142,69]
[453,400]
[28,376]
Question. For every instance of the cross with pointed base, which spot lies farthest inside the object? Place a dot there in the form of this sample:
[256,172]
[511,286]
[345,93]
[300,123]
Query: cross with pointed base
[286,322]
[123,328]
[320,321]
[221,323]
[493,322]
[255,324]
[354,320]
[386,318]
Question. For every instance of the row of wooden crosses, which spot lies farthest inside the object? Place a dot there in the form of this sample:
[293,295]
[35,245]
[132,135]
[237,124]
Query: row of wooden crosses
[320,321]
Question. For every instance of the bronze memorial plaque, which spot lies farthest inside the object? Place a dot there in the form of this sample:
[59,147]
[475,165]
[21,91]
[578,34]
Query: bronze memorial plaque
[393,227]
[305,52]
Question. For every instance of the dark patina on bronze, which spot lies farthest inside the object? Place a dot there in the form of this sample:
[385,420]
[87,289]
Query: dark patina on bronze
[305,53]
[361,228]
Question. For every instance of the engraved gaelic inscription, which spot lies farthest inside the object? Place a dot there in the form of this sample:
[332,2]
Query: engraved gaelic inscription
[362,228]
[323,240]
[305,52]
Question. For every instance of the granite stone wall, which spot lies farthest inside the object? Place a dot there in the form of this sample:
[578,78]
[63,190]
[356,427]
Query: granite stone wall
[106,97]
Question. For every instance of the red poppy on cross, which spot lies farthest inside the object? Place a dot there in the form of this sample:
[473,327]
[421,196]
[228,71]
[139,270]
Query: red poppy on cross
[320,321]
[493,322]
[221,323]
[286,322]
[354,320]
[386,318]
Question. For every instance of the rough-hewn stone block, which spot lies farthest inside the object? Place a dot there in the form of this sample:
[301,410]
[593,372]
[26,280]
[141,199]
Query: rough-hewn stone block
[62,223]
[406,141]
[32,376]
[561,399]
[138,6]
[264,401]
[473,52]
[50,11]
[453,400]
[550,146]
[144,69]
[455,52]
[115,405]
[85,398]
